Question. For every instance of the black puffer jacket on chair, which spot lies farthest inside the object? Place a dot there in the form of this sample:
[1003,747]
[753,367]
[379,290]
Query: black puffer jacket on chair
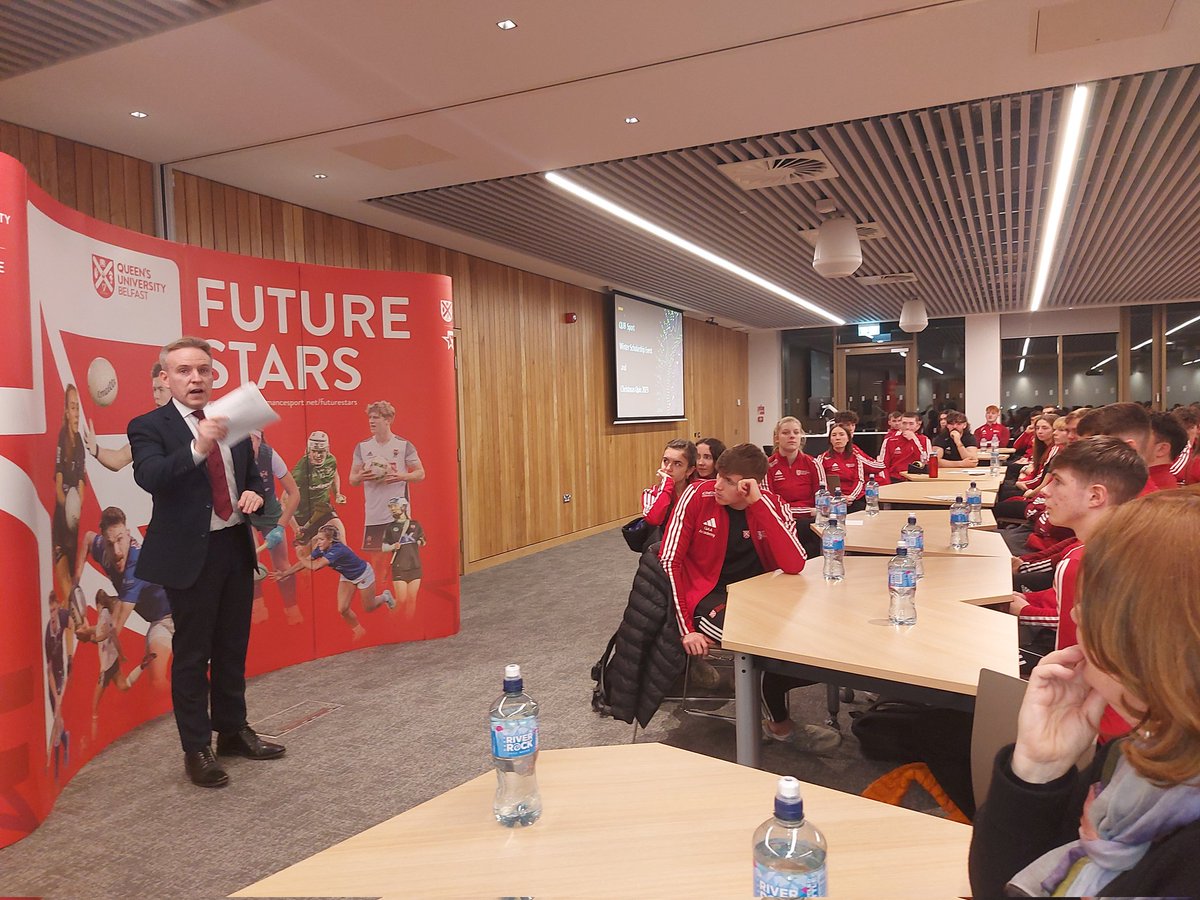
[648,656]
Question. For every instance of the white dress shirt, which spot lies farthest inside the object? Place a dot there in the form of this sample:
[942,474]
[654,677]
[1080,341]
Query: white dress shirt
[193,423]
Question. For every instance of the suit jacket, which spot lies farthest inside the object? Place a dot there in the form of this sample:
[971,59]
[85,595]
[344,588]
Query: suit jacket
[176,540]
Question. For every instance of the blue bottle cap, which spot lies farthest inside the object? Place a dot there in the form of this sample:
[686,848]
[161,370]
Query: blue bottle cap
[513,682]
[789,805]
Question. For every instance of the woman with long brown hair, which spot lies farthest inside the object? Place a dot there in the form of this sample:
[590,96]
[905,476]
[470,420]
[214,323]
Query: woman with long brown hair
[1129,824]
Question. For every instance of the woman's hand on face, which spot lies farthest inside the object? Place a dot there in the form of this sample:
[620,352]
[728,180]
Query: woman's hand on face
[1059,717]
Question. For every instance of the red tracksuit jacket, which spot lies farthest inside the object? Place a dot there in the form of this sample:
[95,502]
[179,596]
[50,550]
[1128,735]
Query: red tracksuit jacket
[693,549]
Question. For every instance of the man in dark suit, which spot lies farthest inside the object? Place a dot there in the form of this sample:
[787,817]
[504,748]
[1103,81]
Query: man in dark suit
[198,546]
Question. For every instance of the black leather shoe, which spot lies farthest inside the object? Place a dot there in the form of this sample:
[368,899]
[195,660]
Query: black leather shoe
[248,744]
[203,769]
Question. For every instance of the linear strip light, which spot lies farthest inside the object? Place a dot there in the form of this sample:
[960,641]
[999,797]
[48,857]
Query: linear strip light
[1184,325]
[1025,348]
[1149,341]
[1021,367]
[933,368]
[1064,174]
[684,244]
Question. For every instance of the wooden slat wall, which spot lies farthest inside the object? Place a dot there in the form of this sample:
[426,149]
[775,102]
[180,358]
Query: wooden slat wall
[535,390]
[107,186]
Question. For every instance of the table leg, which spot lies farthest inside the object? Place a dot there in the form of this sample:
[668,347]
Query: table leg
[745,690]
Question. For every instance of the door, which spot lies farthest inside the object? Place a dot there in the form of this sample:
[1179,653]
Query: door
[873,381]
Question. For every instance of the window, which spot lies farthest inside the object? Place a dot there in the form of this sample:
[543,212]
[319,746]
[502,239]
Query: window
[1029,371]
[1141,354]
[1183,354]
[1089,369]
[941,371]
[808,375]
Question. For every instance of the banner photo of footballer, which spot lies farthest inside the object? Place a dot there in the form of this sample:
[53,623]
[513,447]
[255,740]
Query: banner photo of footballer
[360,472]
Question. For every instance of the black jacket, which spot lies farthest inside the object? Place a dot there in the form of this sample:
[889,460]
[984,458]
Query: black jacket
[1021,821]
[176,540]
[649,654]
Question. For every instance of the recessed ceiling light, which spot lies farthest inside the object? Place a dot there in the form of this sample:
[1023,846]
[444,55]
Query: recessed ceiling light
[632,120]
[506,24]
[320,175]
[626,215]
[138,114]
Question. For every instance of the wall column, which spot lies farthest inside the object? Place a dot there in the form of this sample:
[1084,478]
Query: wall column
[982,365]
[766,383]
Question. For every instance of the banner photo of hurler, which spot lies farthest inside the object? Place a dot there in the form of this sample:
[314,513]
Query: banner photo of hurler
[345,386]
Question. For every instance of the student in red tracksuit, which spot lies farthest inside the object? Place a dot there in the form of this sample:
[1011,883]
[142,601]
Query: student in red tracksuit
[844,468]
[1128,421]
[1088,480]
[993,430]
[708,451]
[908,448]
[677,470]
[1189,418]
[795,476]
[723,531]
[1169,440]
[848,419]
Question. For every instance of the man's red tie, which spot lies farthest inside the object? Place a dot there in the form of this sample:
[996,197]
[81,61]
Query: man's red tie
[217,477]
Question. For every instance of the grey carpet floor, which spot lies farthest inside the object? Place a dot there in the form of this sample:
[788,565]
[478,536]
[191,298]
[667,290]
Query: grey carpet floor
[409,725]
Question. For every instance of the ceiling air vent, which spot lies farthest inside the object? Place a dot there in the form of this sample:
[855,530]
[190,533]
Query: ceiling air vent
[775,171]
[867,231]
[890,278]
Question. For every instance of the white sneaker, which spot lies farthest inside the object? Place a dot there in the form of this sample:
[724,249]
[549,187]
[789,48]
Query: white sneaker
[388,599]
[818,739]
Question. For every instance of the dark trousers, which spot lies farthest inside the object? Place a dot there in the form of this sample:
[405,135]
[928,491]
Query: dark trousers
[709,620]
[212,630]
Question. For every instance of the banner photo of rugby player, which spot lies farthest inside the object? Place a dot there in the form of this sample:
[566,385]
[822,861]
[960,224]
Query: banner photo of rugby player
[358,538]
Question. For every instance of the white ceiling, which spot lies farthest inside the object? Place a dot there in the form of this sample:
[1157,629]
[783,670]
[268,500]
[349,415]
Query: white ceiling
[264,97]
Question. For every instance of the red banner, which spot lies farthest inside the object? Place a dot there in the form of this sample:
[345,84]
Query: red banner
[359,365]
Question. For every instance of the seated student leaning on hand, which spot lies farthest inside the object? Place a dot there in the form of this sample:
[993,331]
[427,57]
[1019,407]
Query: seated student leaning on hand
[728,530]
[1129,824]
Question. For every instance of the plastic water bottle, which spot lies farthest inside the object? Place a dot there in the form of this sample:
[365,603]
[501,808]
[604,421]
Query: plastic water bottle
[902,589]
[913,536]
[872,494]
[833,549]
[789,852]
[960,525]
[823,501]
[974,505]
[837,506]
[994,459]
[514,728]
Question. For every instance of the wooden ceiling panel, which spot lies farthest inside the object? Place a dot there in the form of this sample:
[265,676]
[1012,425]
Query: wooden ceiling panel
[960,191]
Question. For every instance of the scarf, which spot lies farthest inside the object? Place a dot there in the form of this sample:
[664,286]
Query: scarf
[1121,819]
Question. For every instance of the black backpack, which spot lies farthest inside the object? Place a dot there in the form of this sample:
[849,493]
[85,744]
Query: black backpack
[900,731]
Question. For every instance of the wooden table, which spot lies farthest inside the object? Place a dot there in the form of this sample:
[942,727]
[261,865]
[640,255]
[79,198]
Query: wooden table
[838,633]
[613,826]
[879,534]
[928,493]
[961,477]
